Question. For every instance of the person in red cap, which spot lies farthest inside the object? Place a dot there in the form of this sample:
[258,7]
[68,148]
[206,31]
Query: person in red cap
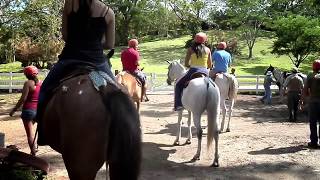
[312,90]
[221,58]
[198,59]
[28,101]
[130,62]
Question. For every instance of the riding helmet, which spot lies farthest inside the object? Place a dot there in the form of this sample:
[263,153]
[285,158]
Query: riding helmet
[133,43]
[222,45]
[30,71]
[200,38]
[316,65]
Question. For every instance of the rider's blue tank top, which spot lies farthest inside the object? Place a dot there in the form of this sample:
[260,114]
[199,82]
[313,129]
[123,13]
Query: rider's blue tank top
[84,40]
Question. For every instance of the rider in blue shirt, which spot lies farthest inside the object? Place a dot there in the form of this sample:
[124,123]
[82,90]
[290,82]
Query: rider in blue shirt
[221,59]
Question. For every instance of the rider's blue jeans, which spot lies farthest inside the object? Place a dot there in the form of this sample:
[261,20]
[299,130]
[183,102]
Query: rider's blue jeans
[181,84]
[267,94]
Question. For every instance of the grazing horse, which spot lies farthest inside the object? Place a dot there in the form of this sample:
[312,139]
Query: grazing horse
[228,86]
[90,127]
[132,85]
[201,94]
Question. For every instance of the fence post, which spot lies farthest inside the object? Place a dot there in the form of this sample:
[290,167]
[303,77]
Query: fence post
[257,85]
[10,83]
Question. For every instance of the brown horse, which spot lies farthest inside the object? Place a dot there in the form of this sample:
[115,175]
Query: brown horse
[131,84]
[90,127]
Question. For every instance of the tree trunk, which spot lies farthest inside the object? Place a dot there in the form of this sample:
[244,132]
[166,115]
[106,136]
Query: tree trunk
[250,52]
[124,32]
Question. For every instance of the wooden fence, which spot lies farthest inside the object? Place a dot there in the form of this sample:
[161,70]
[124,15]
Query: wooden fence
[156,82]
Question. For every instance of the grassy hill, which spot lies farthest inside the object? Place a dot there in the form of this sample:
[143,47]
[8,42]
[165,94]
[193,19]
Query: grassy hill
[154,55]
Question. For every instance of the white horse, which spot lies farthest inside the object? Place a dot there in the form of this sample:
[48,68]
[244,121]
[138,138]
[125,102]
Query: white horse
[228,86]
[201,94]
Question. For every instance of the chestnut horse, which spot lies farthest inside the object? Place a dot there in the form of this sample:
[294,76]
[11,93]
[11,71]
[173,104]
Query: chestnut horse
[90,127]
[133,87]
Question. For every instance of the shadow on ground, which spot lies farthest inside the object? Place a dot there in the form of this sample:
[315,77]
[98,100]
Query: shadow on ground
[261,113]
[156,166]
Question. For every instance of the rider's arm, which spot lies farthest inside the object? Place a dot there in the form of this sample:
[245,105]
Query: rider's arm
[23,98]
[187,58]
[110,30]
[305,91]
[209,61]
[230,61]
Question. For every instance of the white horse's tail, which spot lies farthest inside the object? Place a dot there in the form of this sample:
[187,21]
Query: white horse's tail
[233,87]
[213,110]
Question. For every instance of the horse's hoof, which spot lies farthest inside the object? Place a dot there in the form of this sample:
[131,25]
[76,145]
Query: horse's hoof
[176,143]
[215,164]
[228,130]
[188,141]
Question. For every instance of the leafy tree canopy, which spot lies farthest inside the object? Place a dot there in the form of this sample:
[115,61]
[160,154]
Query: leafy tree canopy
[297,37]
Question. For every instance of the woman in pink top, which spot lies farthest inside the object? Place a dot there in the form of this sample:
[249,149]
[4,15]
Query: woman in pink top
[29,101]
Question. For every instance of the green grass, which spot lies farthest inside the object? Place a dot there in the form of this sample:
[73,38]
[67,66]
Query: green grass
[11,67]
[154,55]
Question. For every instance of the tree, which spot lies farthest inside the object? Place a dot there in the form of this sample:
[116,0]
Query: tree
[297,37]
[190,13]
[125,11]
[250,14]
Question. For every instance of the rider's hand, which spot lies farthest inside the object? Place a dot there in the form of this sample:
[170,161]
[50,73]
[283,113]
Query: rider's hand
[110,53]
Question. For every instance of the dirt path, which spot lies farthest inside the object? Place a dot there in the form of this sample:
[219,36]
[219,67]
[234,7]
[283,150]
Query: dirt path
[262,144]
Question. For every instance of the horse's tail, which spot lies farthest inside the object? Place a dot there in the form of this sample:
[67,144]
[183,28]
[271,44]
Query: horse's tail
[124,147]
[233,88]
[213,110]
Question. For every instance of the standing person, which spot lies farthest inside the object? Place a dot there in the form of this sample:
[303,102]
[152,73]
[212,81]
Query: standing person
[88,27]
[267,88]
[312,90]
[130,58]
[221,59]
[198,58]
[28,101]
[294,85]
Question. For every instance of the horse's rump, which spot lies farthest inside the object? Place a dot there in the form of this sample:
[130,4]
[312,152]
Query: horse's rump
[131,83]
[228,85]
[89,127]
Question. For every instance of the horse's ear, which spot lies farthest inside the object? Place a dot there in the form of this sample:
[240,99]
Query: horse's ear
[168,61]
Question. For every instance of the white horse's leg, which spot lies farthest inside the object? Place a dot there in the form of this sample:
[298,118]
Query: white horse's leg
[216,147]
[189,128]
[224,109]
[197,124]
[177,141]
[230,114]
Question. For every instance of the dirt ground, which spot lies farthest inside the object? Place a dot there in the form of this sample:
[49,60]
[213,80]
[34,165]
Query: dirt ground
[262,144]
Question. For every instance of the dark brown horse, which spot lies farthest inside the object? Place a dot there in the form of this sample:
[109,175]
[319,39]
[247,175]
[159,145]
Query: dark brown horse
[131,84]
[89,128]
